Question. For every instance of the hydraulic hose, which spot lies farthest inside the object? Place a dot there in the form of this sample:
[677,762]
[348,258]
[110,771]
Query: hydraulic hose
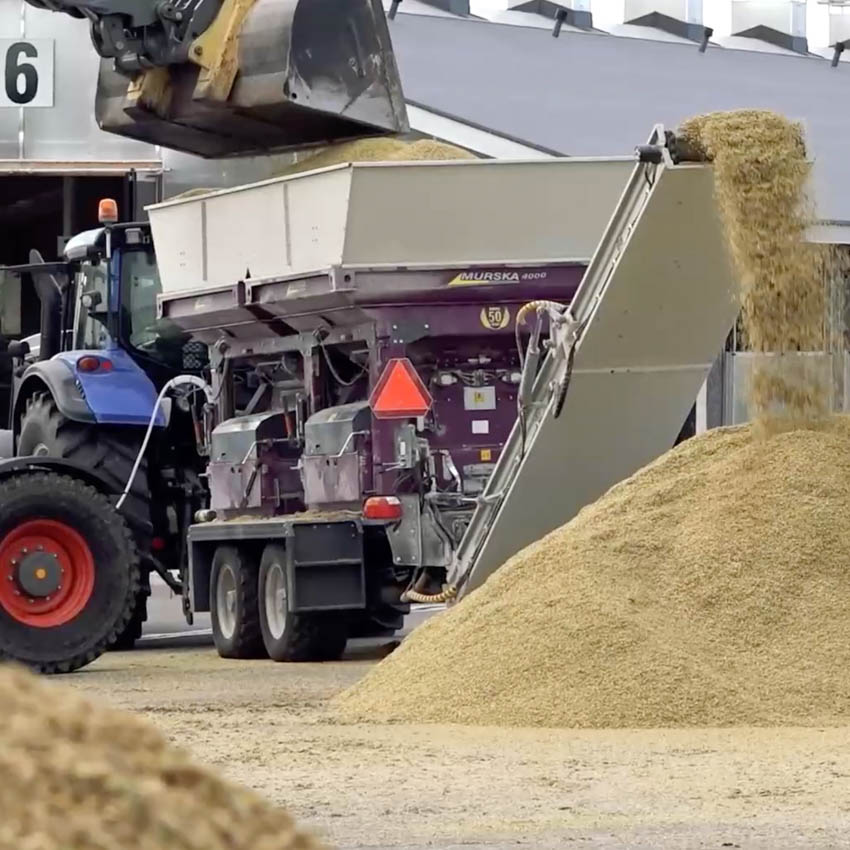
[195,381]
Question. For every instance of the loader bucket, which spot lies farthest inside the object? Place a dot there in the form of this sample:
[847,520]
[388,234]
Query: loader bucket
[310,73]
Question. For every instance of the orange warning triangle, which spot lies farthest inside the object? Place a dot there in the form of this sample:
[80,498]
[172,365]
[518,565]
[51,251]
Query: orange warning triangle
[400,393]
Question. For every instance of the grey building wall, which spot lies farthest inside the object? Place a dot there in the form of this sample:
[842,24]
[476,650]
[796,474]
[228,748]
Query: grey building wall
[67,130]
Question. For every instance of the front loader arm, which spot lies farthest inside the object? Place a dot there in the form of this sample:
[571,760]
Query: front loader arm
[141,34]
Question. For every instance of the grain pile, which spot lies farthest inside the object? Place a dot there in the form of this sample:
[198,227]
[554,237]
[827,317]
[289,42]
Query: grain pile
[378,150]
[761,175]
[712,588]
[190,193]
[80,777]
[361,150]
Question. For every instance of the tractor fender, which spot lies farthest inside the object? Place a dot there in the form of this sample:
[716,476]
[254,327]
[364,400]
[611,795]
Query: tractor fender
[123,394]
[57,378]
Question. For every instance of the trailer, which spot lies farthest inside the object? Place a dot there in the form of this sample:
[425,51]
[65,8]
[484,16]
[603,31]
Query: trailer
[376,303]
[418,275]
[414,369]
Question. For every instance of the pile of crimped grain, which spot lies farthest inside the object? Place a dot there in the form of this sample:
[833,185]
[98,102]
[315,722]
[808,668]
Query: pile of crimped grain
[382,149]
[712,588]
[378,150]
[761,175]
[80,777]
[190,193]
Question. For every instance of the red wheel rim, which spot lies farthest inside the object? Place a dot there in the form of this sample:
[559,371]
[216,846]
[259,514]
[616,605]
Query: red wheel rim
[63,547]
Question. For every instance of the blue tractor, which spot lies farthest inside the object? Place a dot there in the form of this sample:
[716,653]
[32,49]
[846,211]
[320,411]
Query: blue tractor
[75,579]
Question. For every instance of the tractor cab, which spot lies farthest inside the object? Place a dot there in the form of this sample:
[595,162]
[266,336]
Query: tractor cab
[110,299]
[101,354]
[102,296]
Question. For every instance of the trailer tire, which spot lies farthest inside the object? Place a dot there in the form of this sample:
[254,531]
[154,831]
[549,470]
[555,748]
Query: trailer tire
[319,636]
[234,611]
[56,522]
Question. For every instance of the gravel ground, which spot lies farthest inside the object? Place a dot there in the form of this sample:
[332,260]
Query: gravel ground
[408,786]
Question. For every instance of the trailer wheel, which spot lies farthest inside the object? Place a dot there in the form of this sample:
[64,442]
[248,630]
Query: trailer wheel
[69,572]
[319,636]
[233,605]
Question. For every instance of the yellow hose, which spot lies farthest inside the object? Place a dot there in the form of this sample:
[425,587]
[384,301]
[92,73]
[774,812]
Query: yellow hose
[448,592]
[536,305]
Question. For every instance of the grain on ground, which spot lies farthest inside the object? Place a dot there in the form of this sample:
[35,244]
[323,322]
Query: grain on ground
[77,775]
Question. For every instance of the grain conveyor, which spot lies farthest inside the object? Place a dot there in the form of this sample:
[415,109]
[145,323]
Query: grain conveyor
[629,356]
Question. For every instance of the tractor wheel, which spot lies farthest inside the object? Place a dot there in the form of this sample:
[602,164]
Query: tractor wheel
[127,639]
[69,572]
[233,605]
[319,636]
[108,451]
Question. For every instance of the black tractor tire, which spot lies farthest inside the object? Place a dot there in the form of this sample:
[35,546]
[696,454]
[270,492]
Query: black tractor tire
[107,451]
[233,604]
[45,514]
[319,636]
[127,639]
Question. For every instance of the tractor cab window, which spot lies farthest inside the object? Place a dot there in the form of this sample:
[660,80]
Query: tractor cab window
[140,285]
[91,325]
[159,339]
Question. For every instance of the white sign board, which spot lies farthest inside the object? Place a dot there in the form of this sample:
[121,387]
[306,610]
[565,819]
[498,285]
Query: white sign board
[26,72]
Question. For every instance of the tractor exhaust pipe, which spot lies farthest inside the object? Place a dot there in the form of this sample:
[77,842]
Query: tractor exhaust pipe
[49,293]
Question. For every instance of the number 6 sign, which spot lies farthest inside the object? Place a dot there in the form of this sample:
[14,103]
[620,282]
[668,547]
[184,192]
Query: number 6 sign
[26,68]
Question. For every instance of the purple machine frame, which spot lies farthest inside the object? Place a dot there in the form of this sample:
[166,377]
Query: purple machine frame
[457,327]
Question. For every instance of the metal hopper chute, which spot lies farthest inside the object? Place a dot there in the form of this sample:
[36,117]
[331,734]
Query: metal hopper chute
[628,357]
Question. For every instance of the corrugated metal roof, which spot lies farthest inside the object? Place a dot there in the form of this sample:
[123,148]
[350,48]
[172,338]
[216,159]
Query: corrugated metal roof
[740,42]
[415,7]
[511,12]
[598,95]
[646,33]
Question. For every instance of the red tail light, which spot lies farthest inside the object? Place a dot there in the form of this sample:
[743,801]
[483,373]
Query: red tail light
[382,507]
[90,363]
